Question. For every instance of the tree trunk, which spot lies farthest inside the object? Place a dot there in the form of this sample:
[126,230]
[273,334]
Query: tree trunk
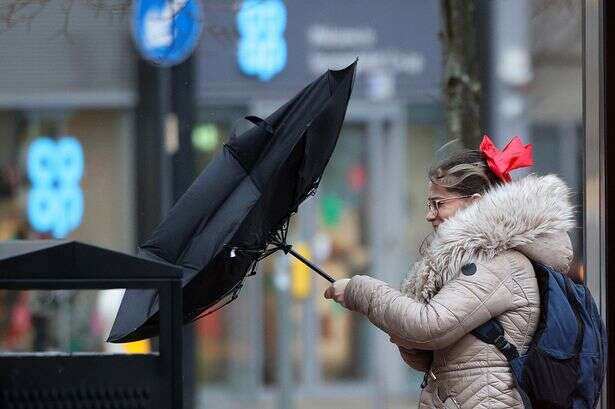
[460,80]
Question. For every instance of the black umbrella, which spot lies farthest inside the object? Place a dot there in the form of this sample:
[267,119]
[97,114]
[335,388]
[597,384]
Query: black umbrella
[237,211]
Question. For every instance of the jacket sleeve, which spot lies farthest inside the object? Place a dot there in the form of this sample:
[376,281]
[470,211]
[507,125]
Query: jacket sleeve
[416,358]
[461,305]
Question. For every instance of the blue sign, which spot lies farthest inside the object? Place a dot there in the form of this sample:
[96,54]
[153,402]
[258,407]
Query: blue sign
[262,48]
[55,201]
[167,31]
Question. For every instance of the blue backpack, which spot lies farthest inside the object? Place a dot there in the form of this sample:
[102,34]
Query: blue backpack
[565,364]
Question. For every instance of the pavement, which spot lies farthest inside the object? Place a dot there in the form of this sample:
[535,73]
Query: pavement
[356,399]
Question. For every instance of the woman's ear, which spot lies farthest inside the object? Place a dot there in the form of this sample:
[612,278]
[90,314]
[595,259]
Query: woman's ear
[476,196]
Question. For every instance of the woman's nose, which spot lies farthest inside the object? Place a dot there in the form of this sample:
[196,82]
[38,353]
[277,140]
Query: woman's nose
[430,216]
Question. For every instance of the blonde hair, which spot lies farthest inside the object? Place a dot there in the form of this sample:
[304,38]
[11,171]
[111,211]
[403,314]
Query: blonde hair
[465,172]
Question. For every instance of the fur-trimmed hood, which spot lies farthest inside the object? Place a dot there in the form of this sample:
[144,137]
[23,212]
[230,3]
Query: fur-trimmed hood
[532,214]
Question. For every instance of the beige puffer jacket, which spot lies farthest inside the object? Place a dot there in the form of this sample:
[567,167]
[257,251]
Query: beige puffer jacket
[476,268]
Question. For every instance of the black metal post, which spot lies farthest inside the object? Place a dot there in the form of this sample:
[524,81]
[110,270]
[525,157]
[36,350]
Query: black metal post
[154,168]
[162,177]
[152,108]
[183,99]
[171,337]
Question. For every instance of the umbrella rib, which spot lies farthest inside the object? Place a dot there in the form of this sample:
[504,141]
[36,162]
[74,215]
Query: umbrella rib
[248,173]
[205,311]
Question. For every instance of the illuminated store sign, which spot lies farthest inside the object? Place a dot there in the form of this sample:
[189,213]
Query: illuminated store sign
[55,201]
[262,48]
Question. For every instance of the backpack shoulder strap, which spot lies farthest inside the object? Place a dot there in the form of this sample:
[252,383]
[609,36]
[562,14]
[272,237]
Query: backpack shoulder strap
[491,332]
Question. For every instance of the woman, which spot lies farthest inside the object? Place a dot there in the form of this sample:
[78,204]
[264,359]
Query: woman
[477,266]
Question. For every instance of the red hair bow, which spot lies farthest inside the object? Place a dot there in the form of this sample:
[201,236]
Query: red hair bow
[514,156]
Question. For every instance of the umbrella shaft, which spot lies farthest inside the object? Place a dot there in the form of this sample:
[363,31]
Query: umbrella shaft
[312,266]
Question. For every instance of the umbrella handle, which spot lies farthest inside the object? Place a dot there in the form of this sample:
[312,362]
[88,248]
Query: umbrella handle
[310,265]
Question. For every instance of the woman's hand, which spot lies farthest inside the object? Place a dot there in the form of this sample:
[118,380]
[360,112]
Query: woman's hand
[336,291]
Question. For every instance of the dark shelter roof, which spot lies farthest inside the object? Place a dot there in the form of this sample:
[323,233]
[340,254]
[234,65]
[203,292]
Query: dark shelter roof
[62,259]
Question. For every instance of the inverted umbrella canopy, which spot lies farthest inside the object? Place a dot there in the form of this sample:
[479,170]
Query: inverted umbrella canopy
[237,211]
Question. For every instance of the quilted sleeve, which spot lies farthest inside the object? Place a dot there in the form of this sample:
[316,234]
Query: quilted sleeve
[460,306]
[416,358]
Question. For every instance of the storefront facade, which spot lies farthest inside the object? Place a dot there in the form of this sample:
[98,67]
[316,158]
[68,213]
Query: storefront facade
[86,92]
[368,216]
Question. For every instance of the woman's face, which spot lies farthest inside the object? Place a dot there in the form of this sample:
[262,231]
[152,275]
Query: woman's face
[446,208]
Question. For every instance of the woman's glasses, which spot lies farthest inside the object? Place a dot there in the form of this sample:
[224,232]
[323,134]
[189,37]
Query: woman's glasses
[433,205]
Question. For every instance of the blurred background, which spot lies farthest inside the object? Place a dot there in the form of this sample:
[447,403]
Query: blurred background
[76,83]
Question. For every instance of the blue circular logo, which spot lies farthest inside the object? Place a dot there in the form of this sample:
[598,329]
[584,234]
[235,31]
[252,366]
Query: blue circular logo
[55,200]
[261,51]
[166,31]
